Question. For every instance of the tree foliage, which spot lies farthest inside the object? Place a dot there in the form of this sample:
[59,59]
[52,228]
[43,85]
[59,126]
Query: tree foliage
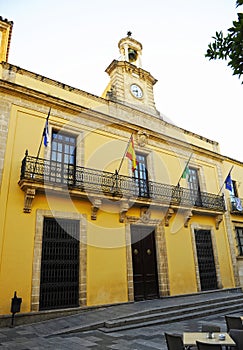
[229,47]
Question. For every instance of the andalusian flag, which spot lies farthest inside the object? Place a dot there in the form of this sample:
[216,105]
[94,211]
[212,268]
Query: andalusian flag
[131,154]
[185,173]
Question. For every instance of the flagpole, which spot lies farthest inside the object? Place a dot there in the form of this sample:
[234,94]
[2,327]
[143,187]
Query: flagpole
[225,179]
[178,184]
[38,153]
[117,171]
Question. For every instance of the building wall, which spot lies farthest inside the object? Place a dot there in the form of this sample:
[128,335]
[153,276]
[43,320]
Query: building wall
[235,218]
[105,250]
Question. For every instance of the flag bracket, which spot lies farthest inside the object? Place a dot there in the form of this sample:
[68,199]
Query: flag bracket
[115,189]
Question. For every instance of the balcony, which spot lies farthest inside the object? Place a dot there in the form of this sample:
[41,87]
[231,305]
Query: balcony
[42,175]
[236,205]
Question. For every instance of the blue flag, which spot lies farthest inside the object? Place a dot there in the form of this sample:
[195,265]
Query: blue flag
[228,183]
[238,205]
[46,130]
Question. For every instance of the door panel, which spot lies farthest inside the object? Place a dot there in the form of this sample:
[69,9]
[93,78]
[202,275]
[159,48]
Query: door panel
[145,277]
[206,263]
[59,283]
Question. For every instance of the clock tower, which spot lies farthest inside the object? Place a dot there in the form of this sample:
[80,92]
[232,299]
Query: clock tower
[129,83]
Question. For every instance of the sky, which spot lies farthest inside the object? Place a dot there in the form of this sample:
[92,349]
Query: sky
[74,41]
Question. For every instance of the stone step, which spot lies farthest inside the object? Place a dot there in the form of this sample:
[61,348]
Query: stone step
[226,300]
[172,314]
[175,308]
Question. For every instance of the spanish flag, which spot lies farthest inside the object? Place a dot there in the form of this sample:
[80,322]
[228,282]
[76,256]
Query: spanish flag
[131,153]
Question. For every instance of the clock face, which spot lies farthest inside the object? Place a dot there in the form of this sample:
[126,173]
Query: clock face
[136,91]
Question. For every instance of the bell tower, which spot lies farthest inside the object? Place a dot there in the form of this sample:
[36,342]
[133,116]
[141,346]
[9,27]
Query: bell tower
[129,83]
[130,50]
[5,38]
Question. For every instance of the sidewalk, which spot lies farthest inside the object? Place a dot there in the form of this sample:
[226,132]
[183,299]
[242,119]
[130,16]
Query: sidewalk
[81,331]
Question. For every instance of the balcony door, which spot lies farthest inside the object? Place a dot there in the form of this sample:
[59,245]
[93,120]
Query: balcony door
[193,182]
[141,176]
[63,155]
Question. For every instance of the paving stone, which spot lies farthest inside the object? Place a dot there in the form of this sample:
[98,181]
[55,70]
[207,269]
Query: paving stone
[42,335]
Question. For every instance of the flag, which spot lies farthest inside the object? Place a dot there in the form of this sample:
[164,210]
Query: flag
[185,173]
[228,182]
[46,130]
[238,205]
[130,154]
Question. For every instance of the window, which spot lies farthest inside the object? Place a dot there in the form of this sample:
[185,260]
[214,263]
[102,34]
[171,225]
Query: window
[141,176]
[239,238]
[63,155]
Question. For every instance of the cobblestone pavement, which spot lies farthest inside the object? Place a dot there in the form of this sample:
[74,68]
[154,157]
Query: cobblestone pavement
[144,338]
[65,334]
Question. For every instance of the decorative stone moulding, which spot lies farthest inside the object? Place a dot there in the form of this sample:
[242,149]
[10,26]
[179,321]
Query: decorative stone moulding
[168,216]
[123,211]
[28,199]
[188,216]
[218,220]
[95,207]
[142,138]
[145,215]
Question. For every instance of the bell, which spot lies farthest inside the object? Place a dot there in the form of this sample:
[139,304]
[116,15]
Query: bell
[132,55]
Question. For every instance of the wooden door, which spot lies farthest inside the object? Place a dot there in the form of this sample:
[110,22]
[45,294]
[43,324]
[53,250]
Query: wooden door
[145,277]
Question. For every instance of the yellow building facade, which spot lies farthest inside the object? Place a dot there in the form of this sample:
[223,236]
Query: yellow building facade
[78,226]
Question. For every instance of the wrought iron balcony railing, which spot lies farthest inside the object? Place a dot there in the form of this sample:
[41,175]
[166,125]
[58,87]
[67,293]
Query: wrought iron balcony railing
[236,205]
[92,181]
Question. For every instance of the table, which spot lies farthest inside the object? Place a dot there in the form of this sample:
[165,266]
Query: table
[189,339]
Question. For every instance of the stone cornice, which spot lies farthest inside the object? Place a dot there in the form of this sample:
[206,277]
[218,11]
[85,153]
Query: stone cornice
[114,110]
[112,105]
[129,67]
[42,78]
[46,99]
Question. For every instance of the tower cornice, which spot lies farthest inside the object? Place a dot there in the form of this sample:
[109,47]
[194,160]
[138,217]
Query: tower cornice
[128,67]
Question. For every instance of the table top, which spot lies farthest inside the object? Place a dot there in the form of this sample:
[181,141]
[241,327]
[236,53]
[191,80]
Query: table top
[189,338]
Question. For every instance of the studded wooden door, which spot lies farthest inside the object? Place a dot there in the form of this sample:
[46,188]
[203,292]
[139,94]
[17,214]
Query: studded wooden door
[145,277]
